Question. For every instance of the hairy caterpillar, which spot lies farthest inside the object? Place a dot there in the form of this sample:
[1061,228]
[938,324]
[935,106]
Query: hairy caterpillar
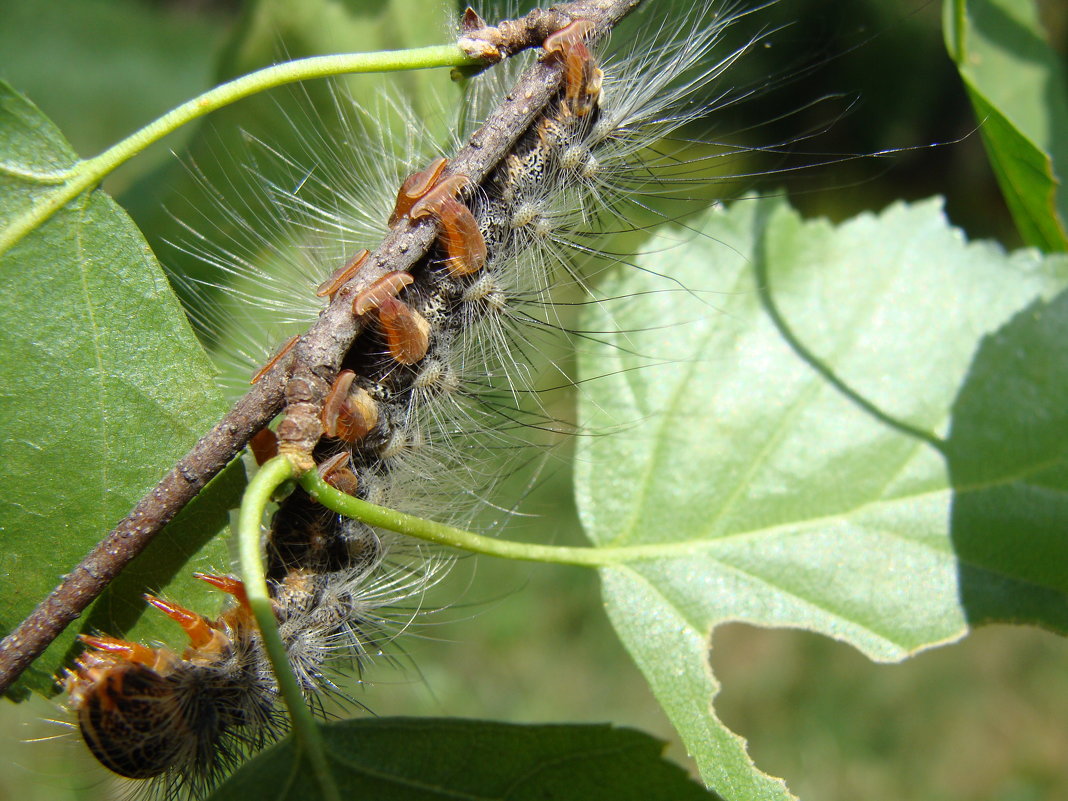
[438,360]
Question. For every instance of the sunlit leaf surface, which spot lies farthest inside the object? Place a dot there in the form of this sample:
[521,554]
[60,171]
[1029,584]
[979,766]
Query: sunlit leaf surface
[860,431]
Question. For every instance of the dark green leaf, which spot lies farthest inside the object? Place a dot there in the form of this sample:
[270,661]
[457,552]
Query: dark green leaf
[104,387]
[862,433]
[416,759]
[1018,87]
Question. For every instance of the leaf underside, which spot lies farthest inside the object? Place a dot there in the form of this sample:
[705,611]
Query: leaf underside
[860,432]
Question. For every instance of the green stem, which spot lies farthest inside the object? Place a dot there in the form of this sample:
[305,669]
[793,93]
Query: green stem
[250,520]
[458,538]
[87,173]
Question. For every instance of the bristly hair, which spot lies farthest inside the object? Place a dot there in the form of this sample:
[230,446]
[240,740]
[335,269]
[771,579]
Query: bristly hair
[451,379]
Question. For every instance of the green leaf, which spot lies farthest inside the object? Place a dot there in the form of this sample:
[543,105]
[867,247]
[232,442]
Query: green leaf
[1018,87]
[416,759]
[104,388]
[861,433]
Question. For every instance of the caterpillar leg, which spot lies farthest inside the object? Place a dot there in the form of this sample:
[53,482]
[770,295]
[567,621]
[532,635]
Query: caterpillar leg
[229,585]
[335,472]
[274,359]
[415,186]
[464,246]
[350,412]
[264,445]
[118,650]
[385,287]
[342,275]
[406,331]
[582,76]
[426,194]
[195,626]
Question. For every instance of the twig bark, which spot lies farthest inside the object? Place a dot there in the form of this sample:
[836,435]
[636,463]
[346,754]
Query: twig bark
[105,561]
[298,384]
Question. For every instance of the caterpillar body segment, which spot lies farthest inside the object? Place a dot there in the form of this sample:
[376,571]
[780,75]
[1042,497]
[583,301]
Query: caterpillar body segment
[132,719]
[147,712]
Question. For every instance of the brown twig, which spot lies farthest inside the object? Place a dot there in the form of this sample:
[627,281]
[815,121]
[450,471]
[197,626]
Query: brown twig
[493,42]
[300,382]
[105,561]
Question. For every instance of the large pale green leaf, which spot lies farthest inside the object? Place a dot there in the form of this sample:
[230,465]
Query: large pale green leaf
[104,387]
[417,759]
[861,432]
[1018,87]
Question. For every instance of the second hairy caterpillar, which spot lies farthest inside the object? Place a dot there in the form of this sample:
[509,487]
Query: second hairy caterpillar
[441,355]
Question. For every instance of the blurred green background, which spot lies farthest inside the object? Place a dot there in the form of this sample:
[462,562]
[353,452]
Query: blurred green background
[986,719]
